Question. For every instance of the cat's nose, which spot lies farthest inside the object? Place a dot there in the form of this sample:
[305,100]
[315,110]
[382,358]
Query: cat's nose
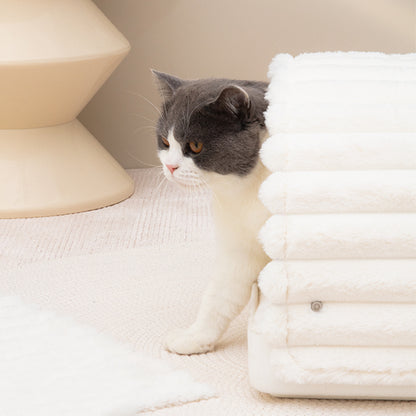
[172,168]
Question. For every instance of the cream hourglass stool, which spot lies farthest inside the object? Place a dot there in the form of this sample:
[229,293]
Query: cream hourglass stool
[54,56]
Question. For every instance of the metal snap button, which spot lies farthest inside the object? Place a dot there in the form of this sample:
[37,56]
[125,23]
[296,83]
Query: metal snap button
[316,306]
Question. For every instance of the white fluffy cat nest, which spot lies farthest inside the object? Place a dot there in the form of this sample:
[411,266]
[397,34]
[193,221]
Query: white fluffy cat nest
[335,315]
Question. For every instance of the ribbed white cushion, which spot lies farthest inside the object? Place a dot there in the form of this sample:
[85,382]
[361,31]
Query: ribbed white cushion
[337,311]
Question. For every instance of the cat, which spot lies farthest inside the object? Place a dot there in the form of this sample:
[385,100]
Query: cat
[210,131]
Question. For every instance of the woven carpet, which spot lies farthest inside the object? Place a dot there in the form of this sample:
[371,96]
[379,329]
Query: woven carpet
[152,256]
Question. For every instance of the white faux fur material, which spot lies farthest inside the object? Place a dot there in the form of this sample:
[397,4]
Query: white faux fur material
[383,366]
[363,281]
[338,324]
[338,299]
[342,92]
[339,151]
[51,365]
[340,236]
[340,192]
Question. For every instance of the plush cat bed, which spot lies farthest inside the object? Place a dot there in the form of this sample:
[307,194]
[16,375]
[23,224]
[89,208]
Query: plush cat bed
[335,311]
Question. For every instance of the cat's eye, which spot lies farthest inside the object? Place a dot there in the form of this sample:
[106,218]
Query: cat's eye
[165,141]
[195,147]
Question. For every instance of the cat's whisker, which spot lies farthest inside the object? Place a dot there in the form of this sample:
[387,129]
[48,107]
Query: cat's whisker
[164,181]
[162,113]
[143,128]
[203,185]
[161,175]
[144,118]
[199,187]
[136,94]
[141,161]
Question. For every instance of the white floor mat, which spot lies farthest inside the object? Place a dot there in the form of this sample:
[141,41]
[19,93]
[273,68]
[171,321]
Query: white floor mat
[52,365]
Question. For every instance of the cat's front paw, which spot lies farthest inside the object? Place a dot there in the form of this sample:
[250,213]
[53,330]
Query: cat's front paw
[189,341]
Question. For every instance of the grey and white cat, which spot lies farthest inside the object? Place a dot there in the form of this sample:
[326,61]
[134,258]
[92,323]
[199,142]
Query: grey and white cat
[210,131]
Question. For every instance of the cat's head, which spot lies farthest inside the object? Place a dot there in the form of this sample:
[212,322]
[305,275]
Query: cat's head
[209,126]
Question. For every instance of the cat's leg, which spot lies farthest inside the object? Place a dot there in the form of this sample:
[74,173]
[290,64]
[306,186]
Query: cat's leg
[226,295]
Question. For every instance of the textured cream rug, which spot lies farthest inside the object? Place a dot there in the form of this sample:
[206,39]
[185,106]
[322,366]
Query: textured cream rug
[50,365]
[136,270]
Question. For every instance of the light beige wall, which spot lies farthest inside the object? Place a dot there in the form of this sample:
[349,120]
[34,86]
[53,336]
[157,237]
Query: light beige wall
[225,38]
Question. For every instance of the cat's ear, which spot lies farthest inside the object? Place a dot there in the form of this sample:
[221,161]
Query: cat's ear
[168,84]
[234,100]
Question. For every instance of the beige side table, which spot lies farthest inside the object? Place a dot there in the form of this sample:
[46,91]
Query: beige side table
[54,56]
